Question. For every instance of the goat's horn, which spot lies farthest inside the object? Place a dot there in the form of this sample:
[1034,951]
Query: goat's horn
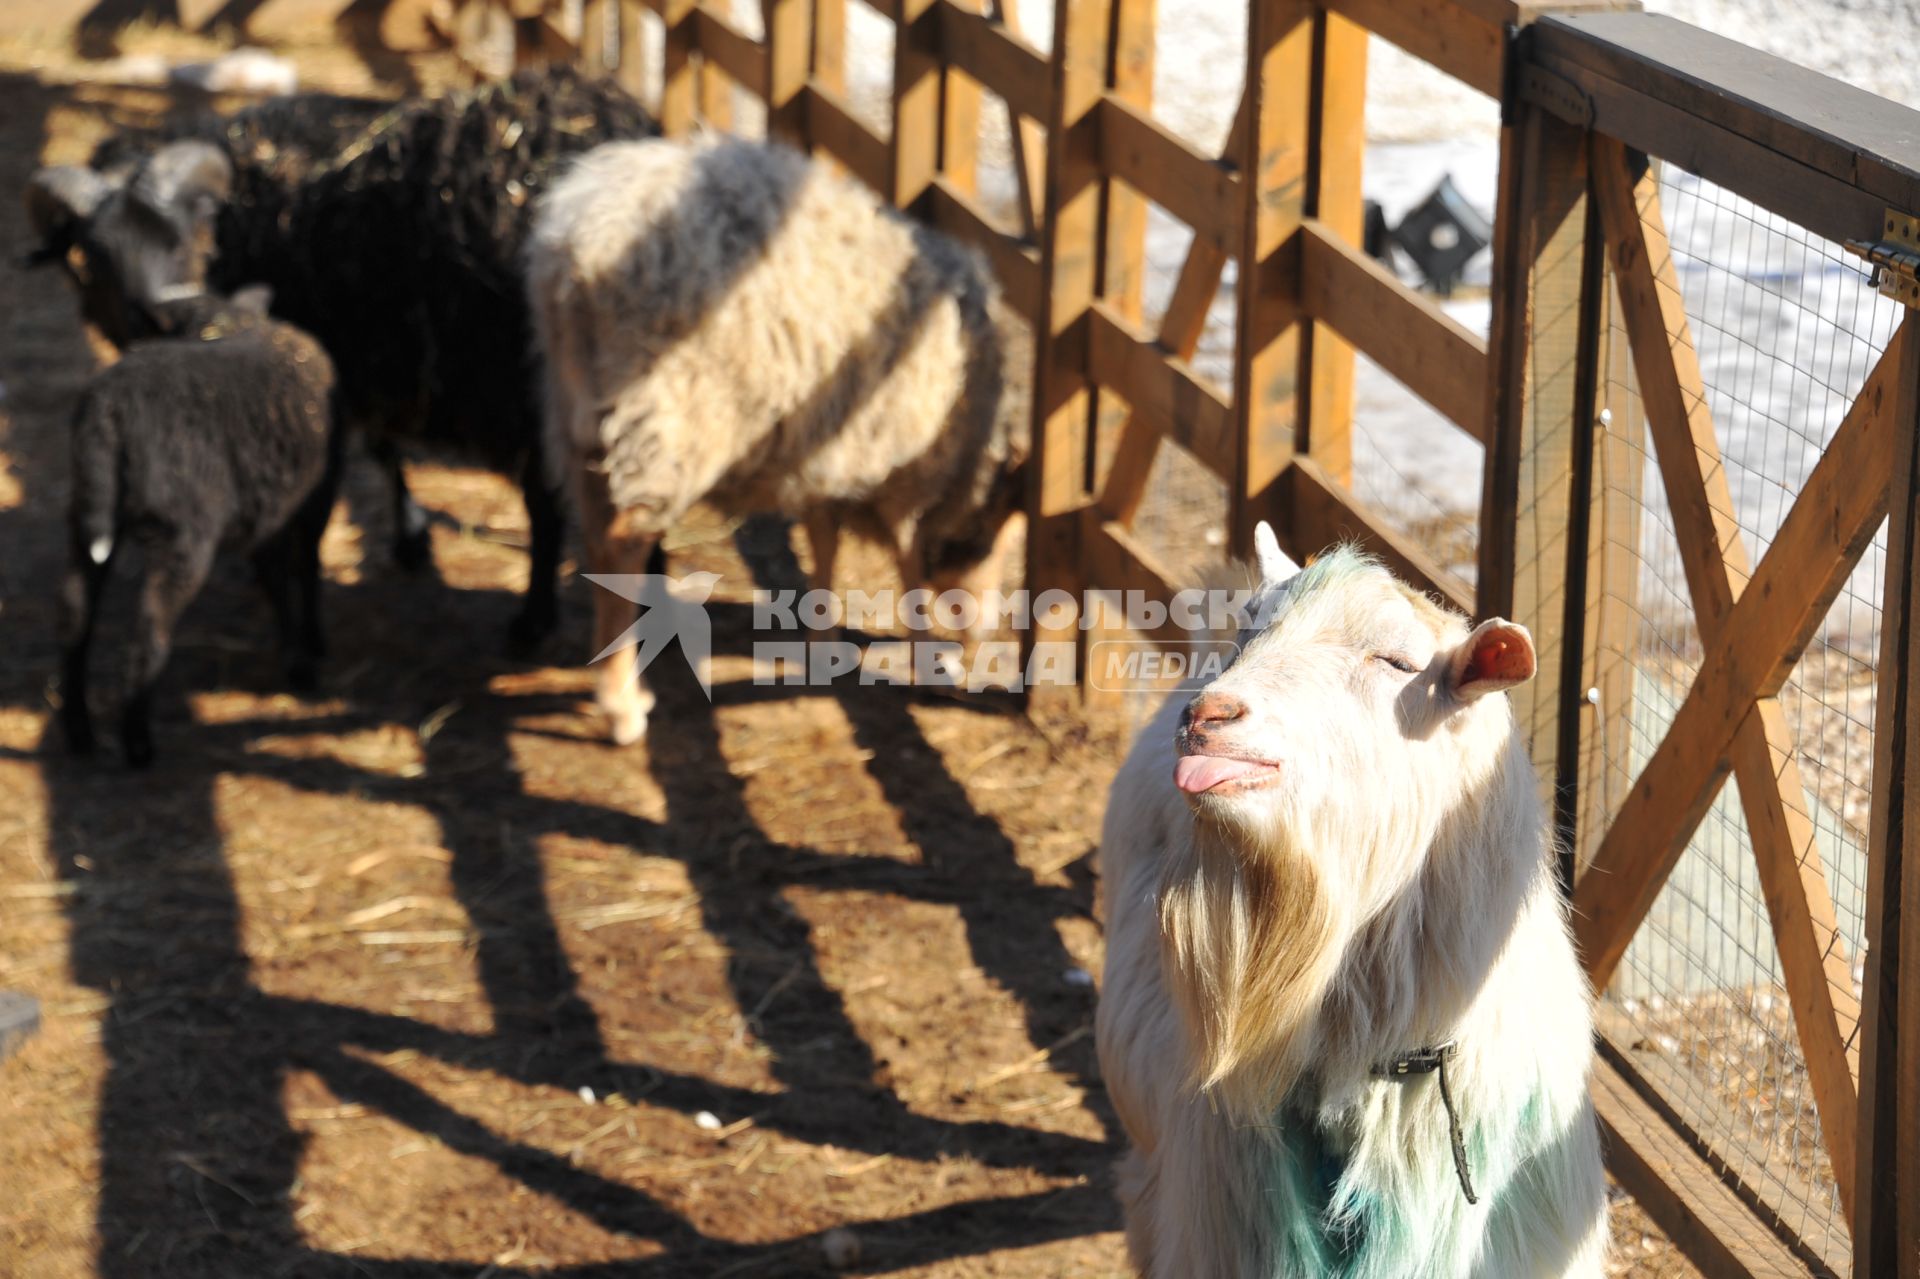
[62,195]
[1274,564]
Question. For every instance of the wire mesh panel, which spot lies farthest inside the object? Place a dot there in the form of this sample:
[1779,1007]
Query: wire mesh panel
[1787,331]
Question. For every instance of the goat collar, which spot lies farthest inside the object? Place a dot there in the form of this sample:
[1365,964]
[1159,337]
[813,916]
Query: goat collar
[1428,1061]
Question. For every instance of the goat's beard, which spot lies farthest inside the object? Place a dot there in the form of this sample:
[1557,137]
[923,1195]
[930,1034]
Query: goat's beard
[1250,936]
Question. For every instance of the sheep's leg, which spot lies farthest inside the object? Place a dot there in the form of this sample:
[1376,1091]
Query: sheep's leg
[547,530]
[80,600]
[175,573]
[823,539]
[288,571]
[412,538]
[273,569]
[618,690]
[305,531]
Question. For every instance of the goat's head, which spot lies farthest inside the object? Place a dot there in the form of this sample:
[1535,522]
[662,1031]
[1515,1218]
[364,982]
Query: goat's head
[132,241]
[1354,723]
[1358,732]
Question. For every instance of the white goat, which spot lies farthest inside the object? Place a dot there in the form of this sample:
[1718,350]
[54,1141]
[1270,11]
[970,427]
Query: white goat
[1342,1019]
[730,322]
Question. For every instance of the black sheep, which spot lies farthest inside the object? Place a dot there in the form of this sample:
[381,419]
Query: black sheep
[223,434]
[399,248]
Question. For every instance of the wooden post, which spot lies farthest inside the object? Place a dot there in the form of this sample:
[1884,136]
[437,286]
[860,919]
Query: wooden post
[916,101]
[1274,177]
[677,72]
[960,123]
[632,74]
[789,50]
[1534,361]
[1613,590]
[594,46]
[1886,1224]
[716,95]
[1064,399]
[830,45]
[1339,148]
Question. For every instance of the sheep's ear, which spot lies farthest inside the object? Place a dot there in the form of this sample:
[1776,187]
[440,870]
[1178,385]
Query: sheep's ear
[61,196]
[1274,564]
[1499,654]
[256,299]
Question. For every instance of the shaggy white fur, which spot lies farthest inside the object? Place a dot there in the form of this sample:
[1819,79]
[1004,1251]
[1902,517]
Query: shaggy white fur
[730,322]
[1351,865]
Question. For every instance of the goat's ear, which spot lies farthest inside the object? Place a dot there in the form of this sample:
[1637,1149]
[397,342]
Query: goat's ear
[1275,565]
[1499,654]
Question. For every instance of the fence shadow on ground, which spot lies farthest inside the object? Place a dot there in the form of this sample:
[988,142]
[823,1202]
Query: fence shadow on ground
[199,1159]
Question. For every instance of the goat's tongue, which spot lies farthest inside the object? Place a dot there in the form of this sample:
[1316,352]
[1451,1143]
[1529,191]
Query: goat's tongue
[1197,774]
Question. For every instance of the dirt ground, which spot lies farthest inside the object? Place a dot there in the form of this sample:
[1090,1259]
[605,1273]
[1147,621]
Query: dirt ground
[420,977]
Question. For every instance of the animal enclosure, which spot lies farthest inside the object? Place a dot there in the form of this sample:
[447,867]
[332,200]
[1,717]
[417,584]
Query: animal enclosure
[1698,414]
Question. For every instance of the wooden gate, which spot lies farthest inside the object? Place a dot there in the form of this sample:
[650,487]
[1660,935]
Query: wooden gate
[1618,94]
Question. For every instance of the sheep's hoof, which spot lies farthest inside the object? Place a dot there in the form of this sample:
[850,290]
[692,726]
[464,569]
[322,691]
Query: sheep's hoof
[627,718]
[627,726]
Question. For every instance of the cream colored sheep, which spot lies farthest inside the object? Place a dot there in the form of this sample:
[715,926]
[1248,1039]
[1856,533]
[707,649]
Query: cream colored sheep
[730,322]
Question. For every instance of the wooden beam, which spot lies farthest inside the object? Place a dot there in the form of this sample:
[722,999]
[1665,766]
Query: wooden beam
[1681,1191]
[830,45]
[1325,511]
[1015,264]
[1273,191]
[1335,201]
[1437,357]
[1161,388]
[1535,357]
[991,53]
[1756,646]
[789,53]
[742,58]
[1452,37]
[1064,396]
[1202,192]
[677,69]
[959,104]
[1028,140]
[836,132]
[1886,1231]
[632,73]
[1181,325]
[1744,110]
[915,141]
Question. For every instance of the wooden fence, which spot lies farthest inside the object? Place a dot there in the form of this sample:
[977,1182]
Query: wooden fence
[1580,249]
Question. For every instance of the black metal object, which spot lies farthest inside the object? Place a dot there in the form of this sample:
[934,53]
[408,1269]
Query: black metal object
[1376,239]
[19,1018]
[1442,235]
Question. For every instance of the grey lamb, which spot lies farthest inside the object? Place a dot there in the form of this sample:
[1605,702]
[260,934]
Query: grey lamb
[219,433]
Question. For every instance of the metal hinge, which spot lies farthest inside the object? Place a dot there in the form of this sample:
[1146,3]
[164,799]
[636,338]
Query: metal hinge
[1895,259]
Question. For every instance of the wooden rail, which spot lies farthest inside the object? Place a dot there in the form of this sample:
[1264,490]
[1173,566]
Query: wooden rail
[1580,252]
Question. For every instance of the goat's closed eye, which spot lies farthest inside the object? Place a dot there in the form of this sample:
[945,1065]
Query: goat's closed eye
[1399,663]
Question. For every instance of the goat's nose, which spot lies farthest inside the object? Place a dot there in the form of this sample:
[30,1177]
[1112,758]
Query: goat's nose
[1212,710]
